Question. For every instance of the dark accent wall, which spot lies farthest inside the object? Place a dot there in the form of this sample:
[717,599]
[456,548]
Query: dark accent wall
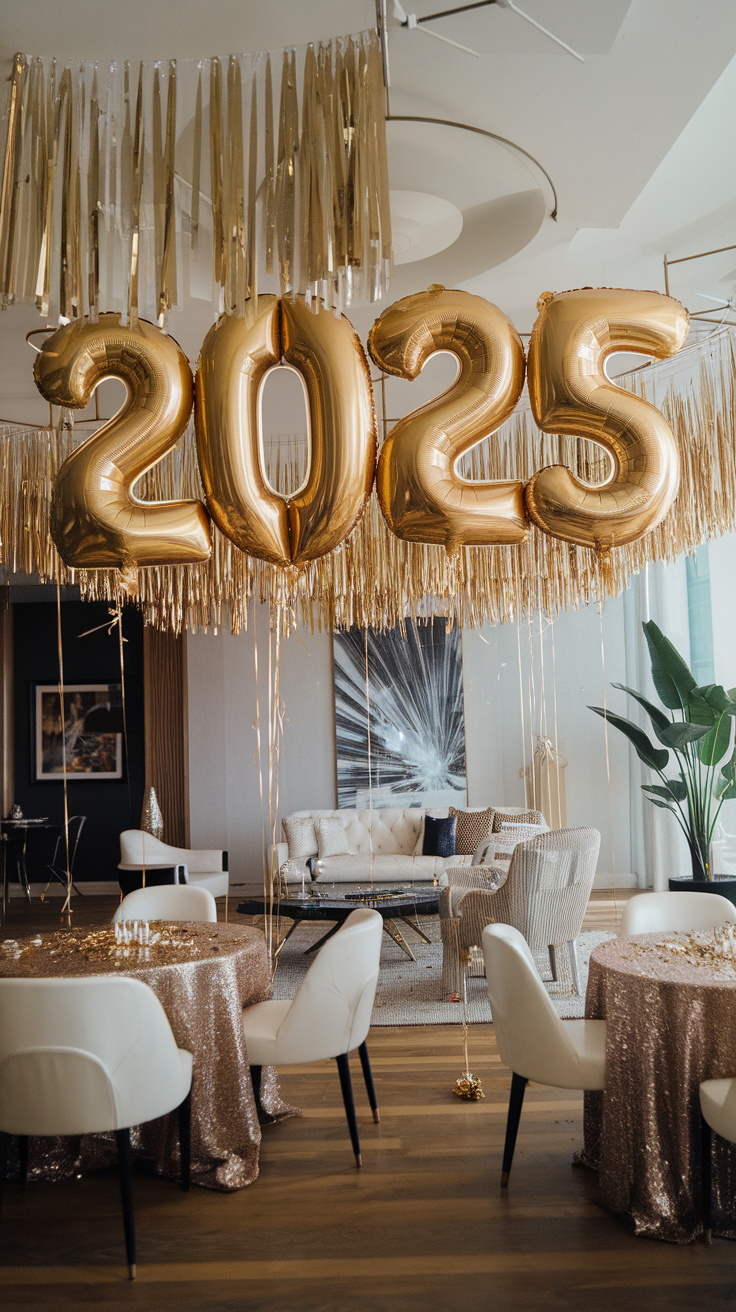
[92,659]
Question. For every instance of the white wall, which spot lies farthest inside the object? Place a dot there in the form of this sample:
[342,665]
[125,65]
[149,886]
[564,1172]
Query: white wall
[224,803]
[225,806]
[494,748]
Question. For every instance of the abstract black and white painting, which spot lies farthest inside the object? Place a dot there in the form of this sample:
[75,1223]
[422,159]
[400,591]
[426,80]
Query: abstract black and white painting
[415,729]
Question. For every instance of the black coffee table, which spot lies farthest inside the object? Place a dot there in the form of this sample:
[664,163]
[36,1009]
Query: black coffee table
[391,905]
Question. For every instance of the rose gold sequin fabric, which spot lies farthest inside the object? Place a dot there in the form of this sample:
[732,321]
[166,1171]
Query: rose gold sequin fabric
[669,1002]
[203,974]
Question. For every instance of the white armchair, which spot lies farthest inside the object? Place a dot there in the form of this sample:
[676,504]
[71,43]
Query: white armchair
[329,1016]
[532,1040]
[85,1056]
[544,896]
[205,867]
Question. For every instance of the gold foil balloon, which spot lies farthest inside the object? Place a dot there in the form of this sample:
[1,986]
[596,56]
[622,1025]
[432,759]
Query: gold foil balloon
[235,358]
[236,355]
[421,495]
[571,394]
[330,358]
[96,521]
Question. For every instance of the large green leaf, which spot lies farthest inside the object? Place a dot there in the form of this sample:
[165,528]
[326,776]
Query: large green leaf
[727,793]
[718,698]
[657,717]
[674,788]
[664,805]
[671,676]
[680,734]
[714,746]
[698,709]
[645,750]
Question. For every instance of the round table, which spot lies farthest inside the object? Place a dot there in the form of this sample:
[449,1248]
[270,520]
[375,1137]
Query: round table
[392,905]
[203,974]
[669,1002]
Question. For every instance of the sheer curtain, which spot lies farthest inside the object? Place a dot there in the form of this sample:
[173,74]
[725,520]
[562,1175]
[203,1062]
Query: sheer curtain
[659,593]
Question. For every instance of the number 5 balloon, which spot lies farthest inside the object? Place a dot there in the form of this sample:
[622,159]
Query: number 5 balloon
[570,393]
[96,521]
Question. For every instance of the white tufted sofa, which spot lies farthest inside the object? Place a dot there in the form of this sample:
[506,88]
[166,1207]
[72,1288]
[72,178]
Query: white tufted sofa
[385,846]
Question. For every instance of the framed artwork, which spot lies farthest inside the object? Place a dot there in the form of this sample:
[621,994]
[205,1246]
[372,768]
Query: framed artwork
[91,737]
[400,731]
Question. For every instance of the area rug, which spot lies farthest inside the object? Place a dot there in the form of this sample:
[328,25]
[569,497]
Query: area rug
[410,993]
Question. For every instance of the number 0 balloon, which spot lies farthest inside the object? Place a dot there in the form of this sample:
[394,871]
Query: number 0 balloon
[236,356]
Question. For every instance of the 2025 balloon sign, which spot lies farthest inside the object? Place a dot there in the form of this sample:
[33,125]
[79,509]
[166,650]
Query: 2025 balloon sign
[98,522]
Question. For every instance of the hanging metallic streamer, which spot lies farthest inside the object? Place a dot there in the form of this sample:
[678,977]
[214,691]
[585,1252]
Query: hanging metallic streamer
[68,899]
[608,760]
[196,164]
[373,578]
[9,197]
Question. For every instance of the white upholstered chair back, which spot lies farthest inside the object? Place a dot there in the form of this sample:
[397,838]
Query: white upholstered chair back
[331,1010]
[651,913]
[168,902]
[549,884]
[82,1056]
[530,1035]
[137,847]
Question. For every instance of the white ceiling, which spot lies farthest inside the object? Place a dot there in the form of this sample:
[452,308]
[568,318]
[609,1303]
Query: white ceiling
[639,140]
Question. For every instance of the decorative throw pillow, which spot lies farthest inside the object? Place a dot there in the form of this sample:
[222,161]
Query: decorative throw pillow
[522,818]
[472,826]
[300,837]
[331,838]
[439,836]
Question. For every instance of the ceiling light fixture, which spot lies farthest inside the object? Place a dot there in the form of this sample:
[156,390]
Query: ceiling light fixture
[412,21]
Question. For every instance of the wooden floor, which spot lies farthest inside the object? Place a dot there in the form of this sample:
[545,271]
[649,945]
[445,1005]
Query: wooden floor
[424,1225]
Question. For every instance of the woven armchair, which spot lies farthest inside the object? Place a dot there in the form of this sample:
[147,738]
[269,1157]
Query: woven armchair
[544,896]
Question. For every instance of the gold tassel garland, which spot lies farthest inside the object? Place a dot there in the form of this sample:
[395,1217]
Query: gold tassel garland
[376,579]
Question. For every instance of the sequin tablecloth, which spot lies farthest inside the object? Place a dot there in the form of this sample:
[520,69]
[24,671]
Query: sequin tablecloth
[203,974]
[669,1001]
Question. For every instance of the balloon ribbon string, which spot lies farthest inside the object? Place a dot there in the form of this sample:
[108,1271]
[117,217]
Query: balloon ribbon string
[608,762]
[121,641]
[116,621]
[68,899]
[370,767]
[258,762]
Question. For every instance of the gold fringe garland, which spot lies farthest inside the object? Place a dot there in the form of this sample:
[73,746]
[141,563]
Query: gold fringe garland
[376,580]
[91,220]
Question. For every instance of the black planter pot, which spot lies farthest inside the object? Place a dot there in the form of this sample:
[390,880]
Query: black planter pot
[724,885]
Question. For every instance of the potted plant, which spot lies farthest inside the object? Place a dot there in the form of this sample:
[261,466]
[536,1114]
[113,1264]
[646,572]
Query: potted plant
[697,732]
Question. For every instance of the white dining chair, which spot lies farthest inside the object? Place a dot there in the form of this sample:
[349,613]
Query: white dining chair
[652,913]
[718,1109]
[167,902]
[329,1016]
[86,1056]
[531,1038]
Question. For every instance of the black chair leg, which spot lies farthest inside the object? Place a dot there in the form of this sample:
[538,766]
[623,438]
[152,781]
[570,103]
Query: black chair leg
[368,1077]
[343,1067]
[705,1178]
[516,1099]
[125,1165]
[4,1141]
[23,1159]
[184,1112]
